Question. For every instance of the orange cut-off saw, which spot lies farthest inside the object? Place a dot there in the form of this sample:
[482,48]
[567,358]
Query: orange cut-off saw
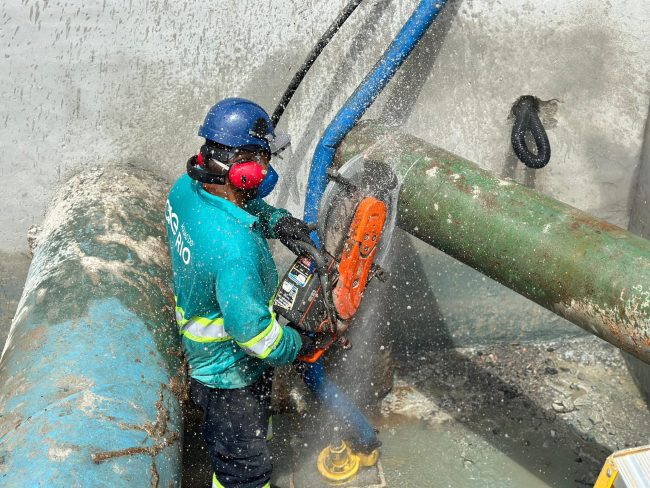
[324,287]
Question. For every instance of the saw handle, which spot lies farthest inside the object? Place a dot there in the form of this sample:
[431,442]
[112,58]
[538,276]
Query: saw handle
[314,344]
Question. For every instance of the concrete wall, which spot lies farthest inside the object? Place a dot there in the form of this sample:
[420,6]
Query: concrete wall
[94,82]
[589,60]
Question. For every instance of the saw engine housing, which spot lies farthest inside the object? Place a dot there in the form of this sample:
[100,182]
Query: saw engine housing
[299,297]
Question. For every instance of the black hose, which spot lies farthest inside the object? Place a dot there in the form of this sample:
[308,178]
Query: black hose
[526,110]
[314,252]
[315,52]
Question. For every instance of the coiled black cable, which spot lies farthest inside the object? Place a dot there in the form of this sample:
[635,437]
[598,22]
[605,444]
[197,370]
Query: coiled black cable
[311,57]
[526,110]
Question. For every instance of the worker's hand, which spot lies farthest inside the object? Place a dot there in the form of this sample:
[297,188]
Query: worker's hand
[290,229]
[306,351]
[308,345]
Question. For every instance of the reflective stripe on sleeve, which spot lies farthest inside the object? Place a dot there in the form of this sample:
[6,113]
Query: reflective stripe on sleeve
[263,343]
[200,329]
[180,316]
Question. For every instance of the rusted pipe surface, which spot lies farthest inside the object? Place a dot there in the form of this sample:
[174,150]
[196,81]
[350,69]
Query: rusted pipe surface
[593,273]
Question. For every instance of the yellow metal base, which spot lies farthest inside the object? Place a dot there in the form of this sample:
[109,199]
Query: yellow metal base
[367,460]
[337,463]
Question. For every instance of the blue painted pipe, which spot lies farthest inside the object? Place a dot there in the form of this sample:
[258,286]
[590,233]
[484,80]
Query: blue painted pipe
[364,436]
[345,120]
[362,98]
[89,373]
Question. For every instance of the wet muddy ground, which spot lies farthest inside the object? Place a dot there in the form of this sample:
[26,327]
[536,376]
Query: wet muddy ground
[534,415]
[508,415]
[553,411]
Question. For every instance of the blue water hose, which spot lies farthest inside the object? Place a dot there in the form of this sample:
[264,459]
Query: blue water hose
[345,119]
[362,98]
[364,437]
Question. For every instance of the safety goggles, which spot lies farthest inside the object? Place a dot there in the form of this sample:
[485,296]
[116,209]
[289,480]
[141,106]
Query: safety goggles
[229,155]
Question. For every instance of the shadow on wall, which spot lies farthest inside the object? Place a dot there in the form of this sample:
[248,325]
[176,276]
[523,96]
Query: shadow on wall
[13,273]
[405,88]
[640,225]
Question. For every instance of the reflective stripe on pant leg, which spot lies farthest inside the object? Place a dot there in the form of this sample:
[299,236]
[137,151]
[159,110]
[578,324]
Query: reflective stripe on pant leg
[269,431]
[216,484]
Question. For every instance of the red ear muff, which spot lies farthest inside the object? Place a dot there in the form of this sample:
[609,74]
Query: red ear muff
[246,175]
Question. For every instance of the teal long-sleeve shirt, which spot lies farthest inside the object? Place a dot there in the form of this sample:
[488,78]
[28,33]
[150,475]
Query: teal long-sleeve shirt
[224,279]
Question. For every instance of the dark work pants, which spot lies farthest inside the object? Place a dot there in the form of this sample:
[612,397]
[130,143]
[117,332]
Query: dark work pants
[235,424]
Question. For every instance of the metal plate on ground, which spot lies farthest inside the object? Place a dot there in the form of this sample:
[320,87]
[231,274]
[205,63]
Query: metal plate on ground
[307,476]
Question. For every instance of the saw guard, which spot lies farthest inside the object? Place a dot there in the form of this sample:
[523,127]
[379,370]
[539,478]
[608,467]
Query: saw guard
[358,254]
[339,203]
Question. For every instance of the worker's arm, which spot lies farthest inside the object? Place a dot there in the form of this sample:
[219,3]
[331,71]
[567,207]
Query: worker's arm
[277,223]
[268,216]
[247,313]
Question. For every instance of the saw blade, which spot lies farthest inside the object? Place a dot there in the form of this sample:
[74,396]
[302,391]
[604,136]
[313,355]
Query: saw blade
[340,201]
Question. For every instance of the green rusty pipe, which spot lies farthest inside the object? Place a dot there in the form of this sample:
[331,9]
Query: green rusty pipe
[593,273]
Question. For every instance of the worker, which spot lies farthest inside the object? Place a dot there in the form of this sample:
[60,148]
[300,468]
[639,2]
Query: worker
[224,279]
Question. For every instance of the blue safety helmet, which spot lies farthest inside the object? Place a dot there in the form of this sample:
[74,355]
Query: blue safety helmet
[237,122]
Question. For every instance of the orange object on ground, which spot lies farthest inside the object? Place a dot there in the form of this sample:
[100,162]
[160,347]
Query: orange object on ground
[358,255]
